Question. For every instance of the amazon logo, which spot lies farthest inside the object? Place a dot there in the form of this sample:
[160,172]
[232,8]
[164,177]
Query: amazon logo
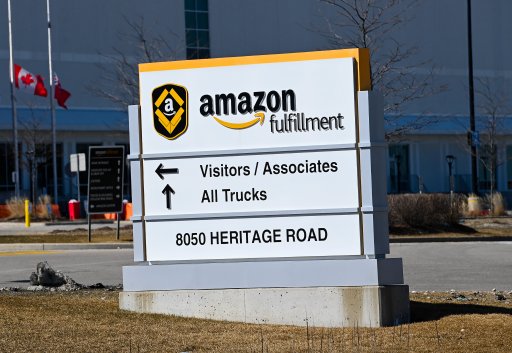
[170,110]
[246,109]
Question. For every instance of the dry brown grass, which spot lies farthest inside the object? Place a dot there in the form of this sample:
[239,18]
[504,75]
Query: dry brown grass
[80,235]
[92,322]
[496,204]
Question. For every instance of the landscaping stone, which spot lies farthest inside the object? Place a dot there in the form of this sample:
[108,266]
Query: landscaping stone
[47,277]
[499,296]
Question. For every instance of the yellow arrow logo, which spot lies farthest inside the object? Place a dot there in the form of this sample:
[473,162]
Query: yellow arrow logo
[260,117]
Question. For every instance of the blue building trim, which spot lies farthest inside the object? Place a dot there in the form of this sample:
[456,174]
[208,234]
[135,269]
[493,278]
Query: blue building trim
[67,120]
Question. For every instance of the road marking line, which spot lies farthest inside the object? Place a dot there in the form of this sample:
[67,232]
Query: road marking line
[29,252]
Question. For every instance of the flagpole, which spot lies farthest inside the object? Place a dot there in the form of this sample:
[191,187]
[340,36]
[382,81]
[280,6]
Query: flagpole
[13,106]
[52,107]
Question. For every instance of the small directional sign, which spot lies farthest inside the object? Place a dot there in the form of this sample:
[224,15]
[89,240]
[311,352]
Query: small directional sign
[160,170]
[77,162]
[168,191]
[105,190]
[214,184]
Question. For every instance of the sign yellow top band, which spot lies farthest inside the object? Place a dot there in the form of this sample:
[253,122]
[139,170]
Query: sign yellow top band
[361,56]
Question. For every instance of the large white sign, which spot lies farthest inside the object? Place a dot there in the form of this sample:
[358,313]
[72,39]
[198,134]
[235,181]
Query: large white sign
[250,158]
[235,108]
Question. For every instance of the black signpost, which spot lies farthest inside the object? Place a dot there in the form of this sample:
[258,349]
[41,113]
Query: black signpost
[105,187]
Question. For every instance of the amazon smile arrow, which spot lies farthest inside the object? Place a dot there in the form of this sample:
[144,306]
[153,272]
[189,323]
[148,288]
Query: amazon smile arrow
[259,118]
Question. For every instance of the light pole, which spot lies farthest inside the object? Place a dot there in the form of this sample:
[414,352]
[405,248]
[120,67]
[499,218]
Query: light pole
[450,159]
[472,127]
[398,159]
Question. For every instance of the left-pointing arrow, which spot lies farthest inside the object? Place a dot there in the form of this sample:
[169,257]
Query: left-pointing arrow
[160,170]
[168,191]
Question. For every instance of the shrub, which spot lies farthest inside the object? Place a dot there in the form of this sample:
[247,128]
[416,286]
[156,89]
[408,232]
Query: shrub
[42,207]
[498,204]
[424,210]
[16,208]
[495,204]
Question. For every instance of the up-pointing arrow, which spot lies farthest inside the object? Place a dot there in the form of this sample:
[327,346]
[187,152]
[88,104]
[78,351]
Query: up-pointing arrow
[160,170]
[167,191]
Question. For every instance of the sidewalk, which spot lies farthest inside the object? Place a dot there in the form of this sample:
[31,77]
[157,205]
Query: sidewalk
[448,239]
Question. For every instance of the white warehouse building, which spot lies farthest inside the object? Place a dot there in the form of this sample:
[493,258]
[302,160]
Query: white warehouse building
[97,44]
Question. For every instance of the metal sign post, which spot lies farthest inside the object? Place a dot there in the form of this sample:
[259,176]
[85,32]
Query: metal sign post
[77,164]
[118,225]
[105,186]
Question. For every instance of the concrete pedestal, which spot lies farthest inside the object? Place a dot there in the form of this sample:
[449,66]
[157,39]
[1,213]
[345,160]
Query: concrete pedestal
[346,281]
[328,293]
[368,306]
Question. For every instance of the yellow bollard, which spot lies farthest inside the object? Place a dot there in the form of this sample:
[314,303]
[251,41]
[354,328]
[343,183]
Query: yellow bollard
[27,214]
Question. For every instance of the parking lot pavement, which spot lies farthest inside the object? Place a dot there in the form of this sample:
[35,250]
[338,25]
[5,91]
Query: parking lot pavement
[479,266]
[84,266]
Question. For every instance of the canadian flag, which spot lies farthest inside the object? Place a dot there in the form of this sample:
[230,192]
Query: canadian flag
[61,95]
[29,83]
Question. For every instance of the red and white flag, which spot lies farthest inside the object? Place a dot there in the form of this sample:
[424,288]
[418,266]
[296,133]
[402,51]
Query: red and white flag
[61,95]
[29,83]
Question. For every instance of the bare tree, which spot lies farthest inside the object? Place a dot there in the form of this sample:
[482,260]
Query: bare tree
[372,24]
[36,141]
[119,81]
[493,105]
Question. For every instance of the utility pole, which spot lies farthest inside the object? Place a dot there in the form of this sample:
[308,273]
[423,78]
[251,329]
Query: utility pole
[472,127]
[13,107]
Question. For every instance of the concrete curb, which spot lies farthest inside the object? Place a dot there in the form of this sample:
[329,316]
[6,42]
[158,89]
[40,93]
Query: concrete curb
[80,222]
[63,246]
[422,239]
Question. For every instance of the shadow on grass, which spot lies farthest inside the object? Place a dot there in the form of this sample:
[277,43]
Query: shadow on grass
[421,311]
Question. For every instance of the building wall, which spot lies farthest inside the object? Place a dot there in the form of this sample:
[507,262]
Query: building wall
[84,33]
[88,34]
[427,169]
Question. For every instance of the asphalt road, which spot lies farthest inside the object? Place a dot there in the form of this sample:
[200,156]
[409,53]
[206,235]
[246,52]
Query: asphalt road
[427,266]
[460,266]
[84,266]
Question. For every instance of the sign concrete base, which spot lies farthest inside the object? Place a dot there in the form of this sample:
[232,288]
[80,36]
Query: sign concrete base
[346,272]
[364,306]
